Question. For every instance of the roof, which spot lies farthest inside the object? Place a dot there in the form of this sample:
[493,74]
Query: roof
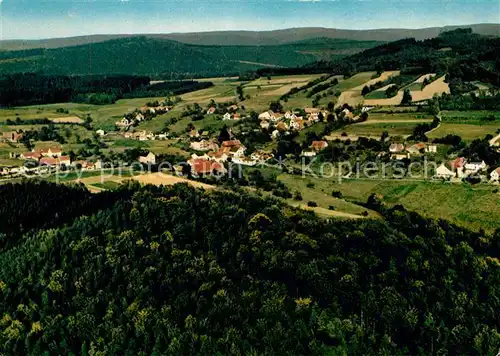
[457,163]
[202,166]
[48,161]
[55,149]
[396,147]
[231,143]
[31,154]
[497,170]
[318,145]
[419,146]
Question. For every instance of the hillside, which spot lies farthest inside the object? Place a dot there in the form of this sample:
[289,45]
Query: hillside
[256,38]
[160,58]
[181,271]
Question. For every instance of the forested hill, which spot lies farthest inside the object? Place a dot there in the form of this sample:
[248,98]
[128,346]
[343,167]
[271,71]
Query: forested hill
[179,271]
[461,53]
[166,59]
[258,38]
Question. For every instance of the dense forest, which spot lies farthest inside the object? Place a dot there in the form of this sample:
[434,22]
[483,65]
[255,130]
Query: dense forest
[167,59]
[33,88]
[174,270]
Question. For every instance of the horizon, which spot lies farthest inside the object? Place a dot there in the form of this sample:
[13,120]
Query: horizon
[28,20]
[249,30]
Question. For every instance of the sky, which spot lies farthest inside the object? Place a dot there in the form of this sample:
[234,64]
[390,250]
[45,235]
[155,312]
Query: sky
[37,19]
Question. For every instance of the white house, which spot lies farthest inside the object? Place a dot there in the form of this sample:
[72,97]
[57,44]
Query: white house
[495,175]
[123,122]
[308,153]
[275,134]
[266,115]
[139,117]
[100,133]
[149,159]
[475,166]
[444,172]
[264,124]
[245,161]
[227,116]
[431,149]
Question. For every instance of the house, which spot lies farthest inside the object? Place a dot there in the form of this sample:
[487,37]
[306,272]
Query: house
[458,166]
[289,114]
[245,161]
[396,147]
[264,124]
[237,151]
[416,148]
[319,145]
[261,156]
[400,156]
[444,172]
[202,166]
[194,134]
[233,107]
[139,117]
[11,136]
[367,108]
[219,156]
[227,116]
[495,175]
[314,117]
[31,155]
[211,111]
[100,133]
[123,122]
[48,161]
[297,124]
[150,158]
[236,116]
[231,143]
[276,117]
[64,161]
[431,149]
[275,134]
[475,166]
[308,153]
[282,126]
[266,115]
[162,136]
[53,152]
[83,165]
[204,145]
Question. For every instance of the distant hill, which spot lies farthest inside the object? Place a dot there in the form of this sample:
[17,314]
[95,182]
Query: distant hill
[258,38]
[166,59]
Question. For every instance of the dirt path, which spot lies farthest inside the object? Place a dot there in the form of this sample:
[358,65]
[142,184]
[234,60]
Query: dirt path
[332,213]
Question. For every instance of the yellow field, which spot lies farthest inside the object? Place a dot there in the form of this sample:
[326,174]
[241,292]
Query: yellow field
[67,120]
[395,100]
[436,87]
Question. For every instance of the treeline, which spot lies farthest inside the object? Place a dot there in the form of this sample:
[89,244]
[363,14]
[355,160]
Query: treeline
[174,270]
[32,88]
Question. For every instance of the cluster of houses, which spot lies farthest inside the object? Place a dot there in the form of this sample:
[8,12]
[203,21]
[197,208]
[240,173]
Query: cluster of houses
[145,136]
[214,159]
[141,114]
[399,151]
[231,113]
[281,124]
[51,157]
[461,168]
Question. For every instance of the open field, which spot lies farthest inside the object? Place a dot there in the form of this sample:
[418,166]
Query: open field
[395,100]
[436,87]
[376,129]
[465,131]
[355,81]
[382,78]
[67,120]
[397,117]
[473,207]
